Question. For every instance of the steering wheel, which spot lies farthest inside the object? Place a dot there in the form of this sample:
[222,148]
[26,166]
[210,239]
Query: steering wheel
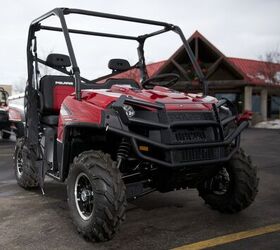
[153,81]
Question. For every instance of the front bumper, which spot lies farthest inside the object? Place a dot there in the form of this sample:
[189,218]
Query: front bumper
[181,154]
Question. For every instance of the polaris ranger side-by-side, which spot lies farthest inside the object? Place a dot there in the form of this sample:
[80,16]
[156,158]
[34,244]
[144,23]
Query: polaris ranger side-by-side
[119,140]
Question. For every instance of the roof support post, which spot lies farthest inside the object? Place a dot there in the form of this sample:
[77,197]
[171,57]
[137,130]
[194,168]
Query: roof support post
[142,63]
[264,103]
[75,68]
[248,90]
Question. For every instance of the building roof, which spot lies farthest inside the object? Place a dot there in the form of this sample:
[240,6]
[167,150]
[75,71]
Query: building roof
[258,72]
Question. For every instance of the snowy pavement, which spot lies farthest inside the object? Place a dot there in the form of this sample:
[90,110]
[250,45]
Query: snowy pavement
[273,124]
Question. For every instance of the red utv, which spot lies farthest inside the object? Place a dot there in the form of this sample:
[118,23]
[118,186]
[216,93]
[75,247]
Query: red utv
[119,140]
[16,114]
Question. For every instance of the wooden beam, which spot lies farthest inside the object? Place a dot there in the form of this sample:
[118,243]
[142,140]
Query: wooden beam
[184,86]
[214,67]
[229,85]
[181,69]
[196,48]
[226,83]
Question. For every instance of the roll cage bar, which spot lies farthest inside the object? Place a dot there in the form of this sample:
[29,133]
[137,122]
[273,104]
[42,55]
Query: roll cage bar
[32,60]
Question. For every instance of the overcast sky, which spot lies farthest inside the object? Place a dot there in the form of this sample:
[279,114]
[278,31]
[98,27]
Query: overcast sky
[239,28]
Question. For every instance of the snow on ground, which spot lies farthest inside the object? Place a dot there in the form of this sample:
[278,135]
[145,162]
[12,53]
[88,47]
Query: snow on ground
[273,124]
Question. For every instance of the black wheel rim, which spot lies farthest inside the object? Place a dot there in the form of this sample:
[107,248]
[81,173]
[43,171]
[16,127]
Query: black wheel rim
[83,193]
[220,184]
[19,164]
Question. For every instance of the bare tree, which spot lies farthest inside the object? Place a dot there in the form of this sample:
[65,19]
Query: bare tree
[19,85]
[271,67]
[271,70]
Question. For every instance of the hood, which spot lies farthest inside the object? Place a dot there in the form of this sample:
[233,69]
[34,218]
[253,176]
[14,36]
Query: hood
[172,99]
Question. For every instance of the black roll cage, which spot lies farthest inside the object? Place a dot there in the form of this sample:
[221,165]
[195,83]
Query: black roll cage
[32,60]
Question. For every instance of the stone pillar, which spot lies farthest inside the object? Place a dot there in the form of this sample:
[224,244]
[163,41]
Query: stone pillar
[248,98]
[264,104]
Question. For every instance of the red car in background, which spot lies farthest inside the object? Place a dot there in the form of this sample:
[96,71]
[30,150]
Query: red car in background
[16,114]
[4,116]
[11,115]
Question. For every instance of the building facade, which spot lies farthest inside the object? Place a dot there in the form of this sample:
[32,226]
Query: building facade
[252,85]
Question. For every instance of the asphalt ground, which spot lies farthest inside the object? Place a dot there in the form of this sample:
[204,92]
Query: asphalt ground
[157,221]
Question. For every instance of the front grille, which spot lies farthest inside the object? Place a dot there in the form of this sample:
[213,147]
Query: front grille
[191,135]
[190,116]
[199,154]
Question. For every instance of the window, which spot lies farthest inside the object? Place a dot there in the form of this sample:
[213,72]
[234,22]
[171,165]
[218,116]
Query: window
[275,106]
[256,103]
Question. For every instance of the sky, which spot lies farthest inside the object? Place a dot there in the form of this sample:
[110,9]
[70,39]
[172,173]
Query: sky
[238,28]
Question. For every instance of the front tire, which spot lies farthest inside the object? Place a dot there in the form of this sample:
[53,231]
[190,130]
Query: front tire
[234,188]
[24,166]
[96,195]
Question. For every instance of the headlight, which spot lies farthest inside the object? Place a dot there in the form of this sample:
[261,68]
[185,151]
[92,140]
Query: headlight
[130,112]
[224,112]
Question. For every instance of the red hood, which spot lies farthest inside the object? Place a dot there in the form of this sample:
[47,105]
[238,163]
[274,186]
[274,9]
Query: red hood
[173,100]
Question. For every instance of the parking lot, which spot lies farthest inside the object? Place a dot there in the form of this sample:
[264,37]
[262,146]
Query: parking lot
[158,221]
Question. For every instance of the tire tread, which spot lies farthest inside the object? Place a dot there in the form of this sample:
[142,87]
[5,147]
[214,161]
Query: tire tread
[244,192]
[109,210]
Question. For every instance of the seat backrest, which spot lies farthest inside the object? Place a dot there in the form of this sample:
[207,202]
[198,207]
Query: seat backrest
[53,90]
[118,65]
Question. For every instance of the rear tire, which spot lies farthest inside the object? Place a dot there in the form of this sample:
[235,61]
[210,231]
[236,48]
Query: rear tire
[242,185]
[24,167]
[96,195]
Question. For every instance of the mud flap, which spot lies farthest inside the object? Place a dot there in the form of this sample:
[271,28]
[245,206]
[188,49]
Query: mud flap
[42,166]
[41,175]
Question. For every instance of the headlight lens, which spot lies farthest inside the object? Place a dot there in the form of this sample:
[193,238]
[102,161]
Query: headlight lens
[224,112]
[130,112]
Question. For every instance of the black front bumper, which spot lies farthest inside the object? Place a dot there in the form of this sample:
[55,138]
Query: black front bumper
[191,153]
